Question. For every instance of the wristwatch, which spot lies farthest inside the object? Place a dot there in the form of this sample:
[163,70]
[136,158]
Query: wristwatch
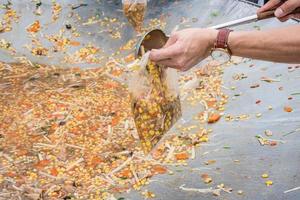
[221,51]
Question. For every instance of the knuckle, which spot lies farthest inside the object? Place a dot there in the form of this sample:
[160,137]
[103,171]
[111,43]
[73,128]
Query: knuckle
[289,6]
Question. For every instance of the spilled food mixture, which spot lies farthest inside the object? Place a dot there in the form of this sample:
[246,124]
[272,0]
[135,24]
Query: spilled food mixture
[70,134]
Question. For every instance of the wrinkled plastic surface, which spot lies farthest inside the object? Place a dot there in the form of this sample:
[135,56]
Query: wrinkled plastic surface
[281,162]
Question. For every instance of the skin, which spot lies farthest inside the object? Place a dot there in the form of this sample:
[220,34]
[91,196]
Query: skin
[188,47]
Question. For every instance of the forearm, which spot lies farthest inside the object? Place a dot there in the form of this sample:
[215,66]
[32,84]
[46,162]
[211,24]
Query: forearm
[278,45]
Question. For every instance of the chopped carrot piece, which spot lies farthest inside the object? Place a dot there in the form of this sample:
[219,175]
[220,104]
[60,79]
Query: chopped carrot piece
[182,156]
[129,58]
[115,120]
[210,103]
[288,109]
[74,43]
[53,171]
[35,27]
[158,169]
[126,173]
[213,118]
[42,164]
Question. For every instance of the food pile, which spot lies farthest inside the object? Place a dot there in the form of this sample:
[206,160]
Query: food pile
[69,133]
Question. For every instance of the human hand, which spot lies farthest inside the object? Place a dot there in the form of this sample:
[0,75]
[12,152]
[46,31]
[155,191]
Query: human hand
[283,8]
[185,48]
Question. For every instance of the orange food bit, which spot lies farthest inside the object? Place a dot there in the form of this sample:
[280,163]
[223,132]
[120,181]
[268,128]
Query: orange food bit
[74,43]
[288,109]
[35,27]
[210,103]
[115,120]
[182,156]
[273,143]
[206,178]
[116,72]
[96,160]
[126,173]
[213,118]
[53,171]
[10,174]
[42,164]
[81,116]
[209,162]
[158,169]
[129,58]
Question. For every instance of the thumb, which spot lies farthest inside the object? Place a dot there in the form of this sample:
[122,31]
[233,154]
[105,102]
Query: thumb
[286,8]
[171,41]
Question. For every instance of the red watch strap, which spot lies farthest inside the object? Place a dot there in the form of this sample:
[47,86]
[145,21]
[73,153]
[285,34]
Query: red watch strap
[222,39]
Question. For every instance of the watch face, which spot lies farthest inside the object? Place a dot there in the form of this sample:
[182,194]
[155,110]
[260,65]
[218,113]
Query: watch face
[220,55]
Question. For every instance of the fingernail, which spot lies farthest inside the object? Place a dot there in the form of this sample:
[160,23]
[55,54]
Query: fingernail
[279,12]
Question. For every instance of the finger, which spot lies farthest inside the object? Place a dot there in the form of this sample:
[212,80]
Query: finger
[285,18]
[168,63]
[268,6]
[157,55]
[296,16]
[286,8]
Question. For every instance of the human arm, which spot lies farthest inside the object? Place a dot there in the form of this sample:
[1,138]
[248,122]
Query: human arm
[278,45]
[188,47]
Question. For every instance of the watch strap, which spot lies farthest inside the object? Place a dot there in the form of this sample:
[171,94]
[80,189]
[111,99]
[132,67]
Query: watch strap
[222,39]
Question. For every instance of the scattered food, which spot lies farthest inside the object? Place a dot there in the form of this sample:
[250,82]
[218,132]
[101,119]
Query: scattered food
[269,183]
[265,175]
[240,192]
[254,86]
[213,118]
[210,162]
[269,80]
[206,178]
[268,133]
[288,109]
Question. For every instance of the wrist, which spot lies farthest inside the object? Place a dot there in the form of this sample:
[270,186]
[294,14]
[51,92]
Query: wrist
[213,34]
[221,50]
